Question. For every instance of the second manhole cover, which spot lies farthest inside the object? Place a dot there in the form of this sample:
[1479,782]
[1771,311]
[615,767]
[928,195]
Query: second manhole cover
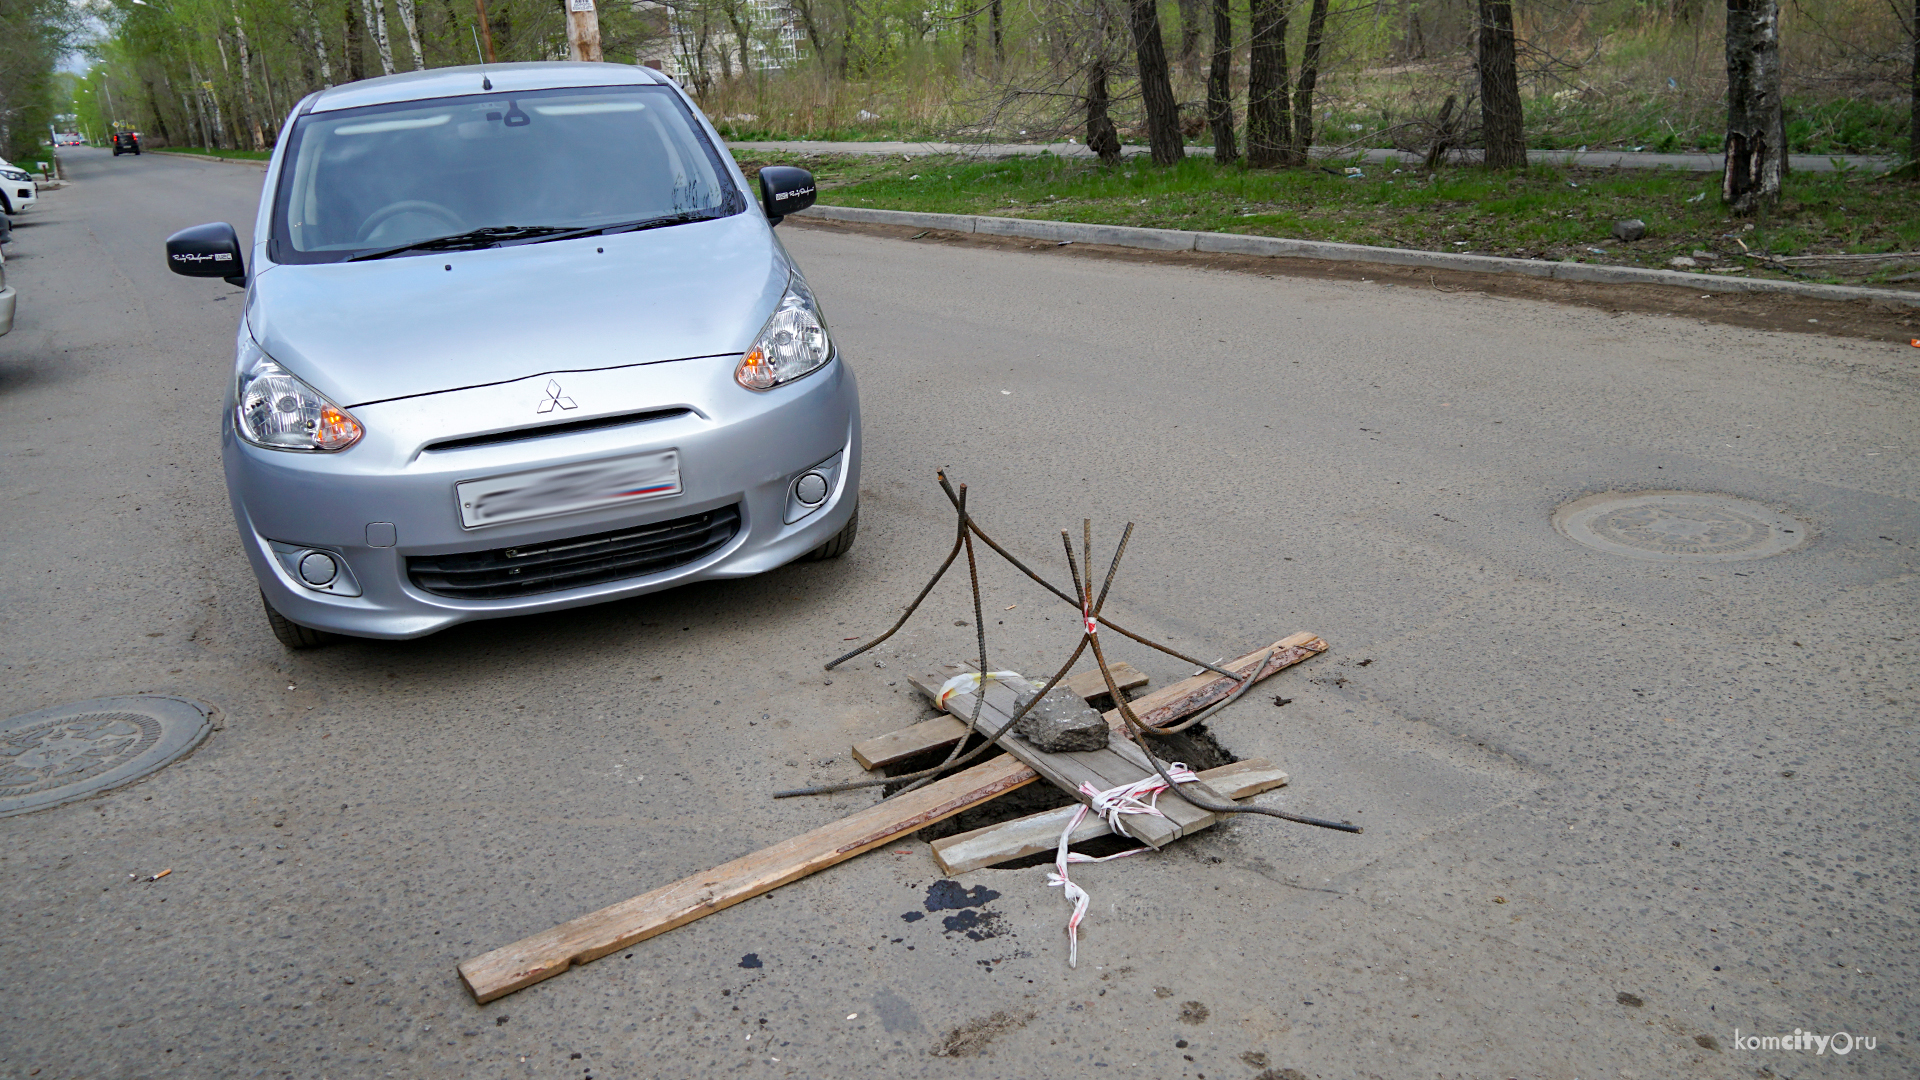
[68,752]
[1680,526]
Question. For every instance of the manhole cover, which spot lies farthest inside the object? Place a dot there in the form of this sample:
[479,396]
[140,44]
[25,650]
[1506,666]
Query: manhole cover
[1679,526]
[71,751]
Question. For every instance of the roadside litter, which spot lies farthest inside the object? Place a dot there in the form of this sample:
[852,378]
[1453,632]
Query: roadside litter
[1105,761]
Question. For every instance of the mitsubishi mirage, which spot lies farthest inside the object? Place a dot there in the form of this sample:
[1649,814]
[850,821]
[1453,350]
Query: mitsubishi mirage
[518,338]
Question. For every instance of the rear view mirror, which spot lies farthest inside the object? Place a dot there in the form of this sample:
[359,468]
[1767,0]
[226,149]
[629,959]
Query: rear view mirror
[785,190]
[208,251]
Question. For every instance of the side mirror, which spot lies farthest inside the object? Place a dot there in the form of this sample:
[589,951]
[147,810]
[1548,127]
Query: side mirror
[208,251]
[785,190]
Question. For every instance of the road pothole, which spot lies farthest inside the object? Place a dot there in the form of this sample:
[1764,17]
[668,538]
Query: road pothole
[1196,747]
[69,752]
[1680,526]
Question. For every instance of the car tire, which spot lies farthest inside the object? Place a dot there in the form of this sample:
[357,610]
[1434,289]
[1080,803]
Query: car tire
[290,633]
[840,543]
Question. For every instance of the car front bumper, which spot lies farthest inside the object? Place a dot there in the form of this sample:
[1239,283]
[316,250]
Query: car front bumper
[20,197]
[392,495]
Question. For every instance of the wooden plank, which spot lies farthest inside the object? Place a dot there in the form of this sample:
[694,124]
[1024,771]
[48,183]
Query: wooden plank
[1169,704]
[1089,684]
[610,929]
[1040,832]
[941,732]
[1102,769]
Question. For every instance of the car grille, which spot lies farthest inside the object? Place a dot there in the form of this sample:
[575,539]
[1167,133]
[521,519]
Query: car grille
[575,561]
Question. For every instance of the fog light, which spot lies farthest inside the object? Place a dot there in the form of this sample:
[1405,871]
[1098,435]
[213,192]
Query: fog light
[811,489]
[317,568]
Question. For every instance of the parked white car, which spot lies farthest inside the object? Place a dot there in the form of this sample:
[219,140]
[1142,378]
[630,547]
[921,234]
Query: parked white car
[17,189]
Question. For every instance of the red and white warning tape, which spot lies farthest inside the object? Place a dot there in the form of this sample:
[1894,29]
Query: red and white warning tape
[1140,797]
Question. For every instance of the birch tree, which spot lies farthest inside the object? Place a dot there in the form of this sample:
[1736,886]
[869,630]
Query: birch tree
[1756,146]
[411,21]
[376,19]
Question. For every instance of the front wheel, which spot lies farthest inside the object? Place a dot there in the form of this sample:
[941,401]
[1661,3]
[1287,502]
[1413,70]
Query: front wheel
[290,633]
[840,543]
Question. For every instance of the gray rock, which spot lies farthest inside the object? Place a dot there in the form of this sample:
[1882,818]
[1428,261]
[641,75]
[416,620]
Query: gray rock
[1681,262]
[1062,723]
[1630,229]
[1704,256]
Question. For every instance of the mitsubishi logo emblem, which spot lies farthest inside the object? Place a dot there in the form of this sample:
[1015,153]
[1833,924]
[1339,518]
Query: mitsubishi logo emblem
[555,398]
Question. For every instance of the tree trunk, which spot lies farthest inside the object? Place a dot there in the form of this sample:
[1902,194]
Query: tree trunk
[994,28]
[1269,125]
[246,80]
[376,16]
[227,141]
[159,118]
[319,47]
[1226,150]
[1309,77]
[356,64]
[1756,127]
[1502,124]
[1156,86]
[740,17]
[1101,138]
[1913,123]
[412,22]
[1190,11]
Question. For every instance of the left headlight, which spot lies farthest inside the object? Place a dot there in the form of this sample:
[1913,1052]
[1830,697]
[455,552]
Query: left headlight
[15,174]
[793,343]
[275,410]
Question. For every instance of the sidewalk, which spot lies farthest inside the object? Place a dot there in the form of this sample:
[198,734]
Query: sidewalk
[1598,159]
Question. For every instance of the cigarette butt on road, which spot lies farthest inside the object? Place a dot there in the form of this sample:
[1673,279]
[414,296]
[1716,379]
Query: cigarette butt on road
[161,874]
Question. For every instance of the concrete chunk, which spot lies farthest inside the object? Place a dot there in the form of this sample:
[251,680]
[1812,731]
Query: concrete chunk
[1062,723]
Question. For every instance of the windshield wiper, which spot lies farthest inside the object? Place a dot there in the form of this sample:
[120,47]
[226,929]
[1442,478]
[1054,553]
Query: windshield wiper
[630,226]
[501,235]
[465,241]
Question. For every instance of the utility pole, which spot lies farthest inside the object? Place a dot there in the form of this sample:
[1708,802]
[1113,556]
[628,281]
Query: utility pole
[583,31]
[486,30]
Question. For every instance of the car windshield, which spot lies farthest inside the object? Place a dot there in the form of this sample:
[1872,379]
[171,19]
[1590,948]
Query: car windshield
[498,166]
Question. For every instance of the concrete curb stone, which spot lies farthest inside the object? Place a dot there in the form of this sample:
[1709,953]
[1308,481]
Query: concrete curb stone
[1282,248]
[208,157]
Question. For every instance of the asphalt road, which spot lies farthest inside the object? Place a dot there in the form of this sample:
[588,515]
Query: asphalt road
[1582,776]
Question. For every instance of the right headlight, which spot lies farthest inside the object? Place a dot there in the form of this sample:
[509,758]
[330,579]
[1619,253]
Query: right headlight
[793,343]
[275,410]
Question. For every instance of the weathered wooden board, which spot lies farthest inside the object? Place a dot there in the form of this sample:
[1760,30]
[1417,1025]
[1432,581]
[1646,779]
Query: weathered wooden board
[1169,704]
[941,732]
[1089,684]
[1040,832]
[610,929]
[1118,764]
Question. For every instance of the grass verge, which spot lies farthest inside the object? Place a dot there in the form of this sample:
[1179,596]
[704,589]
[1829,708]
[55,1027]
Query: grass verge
[1540,212]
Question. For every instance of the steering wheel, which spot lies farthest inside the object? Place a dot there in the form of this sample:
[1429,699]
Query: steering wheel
[406,206]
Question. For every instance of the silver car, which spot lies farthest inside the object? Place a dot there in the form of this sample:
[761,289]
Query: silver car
[517,338]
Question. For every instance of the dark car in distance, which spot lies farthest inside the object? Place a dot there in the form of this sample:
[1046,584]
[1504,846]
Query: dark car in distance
[126,142]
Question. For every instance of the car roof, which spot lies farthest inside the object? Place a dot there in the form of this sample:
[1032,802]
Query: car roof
[462,81]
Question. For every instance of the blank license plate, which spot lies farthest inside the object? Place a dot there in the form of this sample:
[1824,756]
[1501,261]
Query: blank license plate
[568,489]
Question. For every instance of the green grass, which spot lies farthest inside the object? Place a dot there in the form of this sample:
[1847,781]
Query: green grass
[251,155]
[1542,212]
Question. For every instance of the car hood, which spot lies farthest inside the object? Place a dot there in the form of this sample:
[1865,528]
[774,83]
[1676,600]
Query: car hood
[421,324]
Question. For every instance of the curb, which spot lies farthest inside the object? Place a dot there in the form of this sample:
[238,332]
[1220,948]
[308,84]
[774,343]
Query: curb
[1278,248]
[208,157]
